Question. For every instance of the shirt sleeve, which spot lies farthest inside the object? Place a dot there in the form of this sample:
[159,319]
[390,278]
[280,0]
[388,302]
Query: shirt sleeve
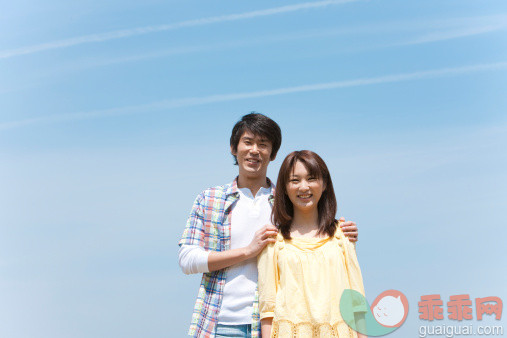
[354,273]
[193,259]
[194,233]
[268,281]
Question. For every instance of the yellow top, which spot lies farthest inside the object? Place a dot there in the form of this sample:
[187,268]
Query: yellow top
[300,284]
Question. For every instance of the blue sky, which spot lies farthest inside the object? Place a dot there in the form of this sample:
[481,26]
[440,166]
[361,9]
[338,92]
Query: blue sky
[114,116]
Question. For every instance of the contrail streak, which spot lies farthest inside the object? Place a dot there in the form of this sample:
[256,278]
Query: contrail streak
[480,25]
[194,101]
[119,34]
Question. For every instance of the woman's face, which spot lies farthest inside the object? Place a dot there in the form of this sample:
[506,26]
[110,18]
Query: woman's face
[303,189]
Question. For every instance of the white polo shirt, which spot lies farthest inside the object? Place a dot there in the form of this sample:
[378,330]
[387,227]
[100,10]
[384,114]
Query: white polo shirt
[248,215]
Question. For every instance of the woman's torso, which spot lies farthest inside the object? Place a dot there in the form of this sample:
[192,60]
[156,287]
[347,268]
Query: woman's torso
[312,275]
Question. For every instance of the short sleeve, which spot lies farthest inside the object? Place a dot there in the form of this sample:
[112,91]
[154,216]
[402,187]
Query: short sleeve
[353,271]
[268,280]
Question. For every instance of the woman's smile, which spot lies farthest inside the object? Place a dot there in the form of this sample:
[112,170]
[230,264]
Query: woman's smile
[304,189]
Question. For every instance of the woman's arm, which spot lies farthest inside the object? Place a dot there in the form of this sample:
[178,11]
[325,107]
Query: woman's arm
[267,282]
[360,324]
[266,324]
[356,283]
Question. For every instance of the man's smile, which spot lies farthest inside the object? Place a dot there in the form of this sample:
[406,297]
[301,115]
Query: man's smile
[252,160]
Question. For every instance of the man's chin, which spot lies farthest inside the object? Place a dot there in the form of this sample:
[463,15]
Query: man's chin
[253,173]
[250,168]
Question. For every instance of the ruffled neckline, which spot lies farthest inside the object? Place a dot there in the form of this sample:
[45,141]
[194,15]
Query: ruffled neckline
[307,243]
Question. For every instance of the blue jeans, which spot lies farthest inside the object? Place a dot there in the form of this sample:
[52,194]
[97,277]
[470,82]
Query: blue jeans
[234,331]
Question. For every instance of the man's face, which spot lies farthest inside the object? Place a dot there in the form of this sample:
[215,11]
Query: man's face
[253,155]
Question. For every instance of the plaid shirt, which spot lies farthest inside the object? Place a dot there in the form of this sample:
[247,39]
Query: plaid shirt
[209,226]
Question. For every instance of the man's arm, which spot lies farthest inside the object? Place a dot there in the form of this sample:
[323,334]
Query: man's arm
[349,229]
[193,259]
[222,259]
[194,234]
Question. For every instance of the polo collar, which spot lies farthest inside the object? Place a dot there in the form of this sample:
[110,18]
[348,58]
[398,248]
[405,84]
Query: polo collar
[233,187]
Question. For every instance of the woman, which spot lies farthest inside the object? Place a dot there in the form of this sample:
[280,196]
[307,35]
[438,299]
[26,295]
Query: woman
[303,274]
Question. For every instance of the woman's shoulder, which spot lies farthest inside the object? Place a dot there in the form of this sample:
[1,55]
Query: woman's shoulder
[342,239]
[276,245]
[280,241]
[338,232]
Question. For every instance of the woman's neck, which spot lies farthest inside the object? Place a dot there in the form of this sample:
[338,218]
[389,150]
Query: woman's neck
[305,224]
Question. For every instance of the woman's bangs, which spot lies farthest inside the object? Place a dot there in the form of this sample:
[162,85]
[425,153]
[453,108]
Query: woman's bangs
[312,166]
[310,163]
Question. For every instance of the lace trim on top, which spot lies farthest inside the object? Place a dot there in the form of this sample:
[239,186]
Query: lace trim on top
[283,328]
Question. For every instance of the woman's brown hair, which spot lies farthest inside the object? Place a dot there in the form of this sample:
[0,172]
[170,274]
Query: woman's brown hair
[283,210]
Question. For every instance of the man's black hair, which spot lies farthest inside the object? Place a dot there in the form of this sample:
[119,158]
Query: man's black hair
[260,125]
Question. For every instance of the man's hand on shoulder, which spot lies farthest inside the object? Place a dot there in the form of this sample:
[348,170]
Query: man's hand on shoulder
[263,236]
[223,259]
[349,229]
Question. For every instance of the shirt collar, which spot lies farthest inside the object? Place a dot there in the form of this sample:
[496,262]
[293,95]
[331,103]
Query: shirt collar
[233,187]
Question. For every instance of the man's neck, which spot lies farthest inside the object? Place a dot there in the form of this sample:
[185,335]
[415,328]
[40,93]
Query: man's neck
[254,184]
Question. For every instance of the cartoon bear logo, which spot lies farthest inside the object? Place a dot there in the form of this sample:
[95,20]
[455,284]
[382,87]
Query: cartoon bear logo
[390,308]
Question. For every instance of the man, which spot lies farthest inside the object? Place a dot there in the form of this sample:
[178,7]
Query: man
[228,227]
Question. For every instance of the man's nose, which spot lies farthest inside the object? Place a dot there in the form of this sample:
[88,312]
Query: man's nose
[254,149]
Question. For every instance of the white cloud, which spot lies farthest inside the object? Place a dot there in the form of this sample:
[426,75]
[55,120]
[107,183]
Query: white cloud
[194,101]
[456,33]
[125,33]
[443,30]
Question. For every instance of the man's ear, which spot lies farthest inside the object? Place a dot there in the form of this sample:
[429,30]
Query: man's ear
[234,153]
